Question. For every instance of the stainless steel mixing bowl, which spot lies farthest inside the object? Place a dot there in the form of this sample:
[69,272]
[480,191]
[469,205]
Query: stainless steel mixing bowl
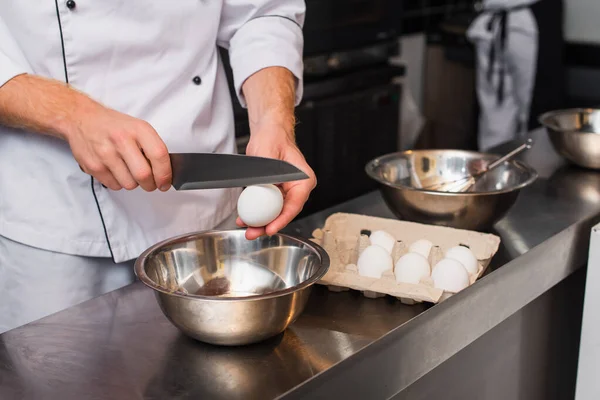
[575,134]
[222,289]
[402,175]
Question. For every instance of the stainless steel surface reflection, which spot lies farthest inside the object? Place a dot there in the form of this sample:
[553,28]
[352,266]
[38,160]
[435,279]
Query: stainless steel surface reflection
[220,288]
[257,372]
[120,345]
[577,184]
[403,175]
[575,134]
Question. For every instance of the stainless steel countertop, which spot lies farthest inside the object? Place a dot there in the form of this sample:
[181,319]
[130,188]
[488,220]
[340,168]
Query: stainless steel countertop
[120,346]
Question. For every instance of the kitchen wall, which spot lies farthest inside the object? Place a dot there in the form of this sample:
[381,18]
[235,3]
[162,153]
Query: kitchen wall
[582,21]
[582,31]
[411,106]
[413,56]
[419,19]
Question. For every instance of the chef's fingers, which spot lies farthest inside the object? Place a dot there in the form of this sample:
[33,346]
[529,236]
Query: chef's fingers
[108,180]
[295,197]
[251,233]
[138,166]
[111,183]
[254,233]
[121,172]
[156,151]
[100,171]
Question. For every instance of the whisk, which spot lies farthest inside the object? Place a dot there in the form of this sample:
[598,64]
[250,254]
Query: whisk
[465,183]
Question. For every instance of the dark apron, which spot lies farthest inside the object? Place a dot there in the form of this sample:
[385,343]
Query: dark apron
[497,55]
[549,91]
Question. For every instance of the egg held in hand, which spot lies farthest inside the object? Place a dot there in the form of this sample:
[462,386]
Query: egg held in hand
[374,261]
[450,275]
[259,205]
[465,256]
[411,268]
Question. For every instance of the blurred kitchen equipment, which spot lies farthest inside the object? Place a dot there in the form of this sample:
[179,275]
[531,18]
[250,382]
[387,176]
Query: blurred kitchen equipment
[574,183]
[449,68]
[575,134]
[222,289]
[466,183]
[399,176]
[215,171]
[339,26]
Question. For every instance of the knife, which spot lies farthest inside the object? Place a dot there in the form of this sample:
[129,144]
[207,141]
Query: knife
[216,171]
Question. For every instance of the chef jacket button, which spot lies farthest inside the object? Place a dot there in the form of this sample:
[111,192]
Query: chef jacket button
[197,80]
[71,4]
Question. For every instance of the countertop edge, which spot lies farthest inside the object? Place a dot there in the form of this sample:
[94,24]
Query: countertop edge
[469,318]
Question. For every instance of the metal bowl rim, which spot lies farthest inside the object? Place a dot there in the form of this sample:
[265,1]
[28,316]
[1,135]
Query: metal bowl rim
[542,119]
[140,271]
[371,165]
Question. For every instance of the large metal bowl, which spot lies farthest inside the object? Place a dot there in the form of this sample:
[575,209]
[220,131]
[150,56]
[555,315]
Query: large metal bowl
[222,289]
[575,134]
[402,177]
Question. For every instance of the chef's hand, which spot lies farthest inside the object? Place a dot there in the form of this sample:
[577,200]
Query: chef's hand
[270,142]
[270,95]
[118,150]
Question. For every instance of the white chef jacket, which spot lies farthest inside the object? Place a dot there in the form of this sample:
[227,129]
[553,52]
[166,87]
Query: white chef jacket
[507,120]
[156,60]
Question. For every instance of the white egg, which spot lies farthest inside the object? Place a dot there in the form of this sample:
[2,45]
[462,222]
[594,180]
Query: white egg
[259,205]
[465,256]
[411,268]
[374,261]
[450,275]
[423,247]
[383,239]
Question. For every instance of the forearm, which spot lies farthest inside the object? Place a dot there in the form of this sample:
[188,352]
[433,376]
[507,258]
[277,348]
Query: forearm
[40,105]
[118,150]
[270,95]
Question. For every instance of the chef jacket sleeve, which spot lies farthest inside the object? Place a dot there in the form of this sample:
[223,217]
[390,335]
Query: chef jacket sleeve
[12,60]
[261,34]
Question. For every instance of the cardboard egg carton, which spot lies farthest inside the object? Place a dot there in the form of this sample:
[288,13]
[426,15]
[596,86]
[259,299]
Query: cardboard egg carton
[344,238]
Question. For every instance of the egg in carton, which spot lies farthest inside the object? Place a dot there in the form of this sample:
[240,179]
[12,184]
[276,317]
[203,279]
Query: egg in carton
[346,236]
[353,280]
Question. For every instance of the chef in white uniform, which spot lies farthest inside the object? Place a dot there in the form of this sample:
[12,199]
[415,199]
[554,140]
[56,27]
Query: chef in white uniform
[93,96]
[505,36]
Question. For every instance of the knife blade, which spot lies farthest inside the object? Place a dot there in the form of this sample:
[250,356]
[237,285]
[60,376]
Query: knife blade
[216,171]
